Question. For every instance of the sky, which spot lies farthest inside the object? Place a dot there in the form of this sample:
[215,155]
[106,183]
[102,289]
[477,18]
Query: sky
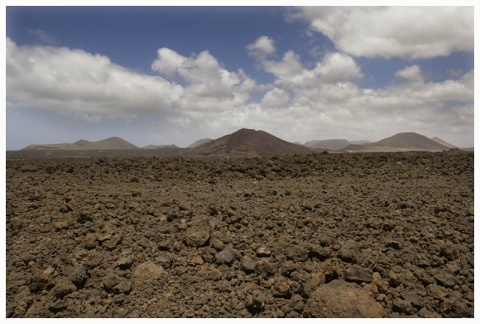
[173,75]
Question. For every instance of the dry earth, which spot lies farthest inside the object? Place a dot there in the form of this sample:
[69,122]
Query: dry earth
[317,235]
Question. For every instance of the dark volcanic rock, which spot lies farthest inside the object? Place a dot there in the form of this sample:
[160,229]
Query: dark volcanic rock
[63,287]
[255,301]
[350,251]
[279,236]
[78,275]
[341,299]
[145,274]
[224,256]
[358,274]
[197,235]
[248,265]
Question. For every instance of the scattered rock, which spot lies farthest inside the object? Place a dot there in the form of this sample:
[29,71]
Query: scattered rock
[125,262]
[123,287]
[381,284]
[403,306]
[255,301]
[197,236]
[280,287]
[225,256]
[444,278]
[145,274]
[342,299]
[110,281]
[350,251]
[265,269]
[298,252]
[358,274]
[248,265]
[93,244]
[164,260]
[78,275]
[264,251]
[63,287]
[449,251]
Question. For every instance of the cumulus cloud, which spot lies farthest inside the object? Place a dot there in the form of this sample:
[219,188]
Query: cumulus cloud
[262,47]
[168,62]
[411,73]
[90,87]
[210,100]
[289,66]
[407,32]
[209,86]
[334,67]
[275,98]
[337,67]
[83,85]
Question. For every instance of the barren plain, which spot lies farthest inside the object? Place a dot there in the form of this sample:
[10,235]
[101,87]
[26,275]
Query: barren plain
[307,235]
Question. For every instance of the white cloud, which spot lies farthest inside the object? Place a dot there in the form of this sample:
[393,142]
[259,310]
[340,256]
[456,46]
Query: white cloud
[293,76]
[408,32]
[168,62]
[276,98]
[82,85]
[90,87]
[262,47]
[301,104]
[288,67]
[411,73]
[337,67]
[209,86]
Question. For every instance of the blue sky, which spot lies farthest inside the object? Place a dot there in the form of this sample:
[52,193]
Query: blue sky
[172,75]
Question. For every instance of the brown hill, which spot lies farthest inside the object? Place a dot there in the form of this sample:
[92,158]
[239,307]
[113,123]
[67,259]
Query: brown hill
[440,141]
[200,142]
[400,142]
[248,142]
[159,147]
[112,143]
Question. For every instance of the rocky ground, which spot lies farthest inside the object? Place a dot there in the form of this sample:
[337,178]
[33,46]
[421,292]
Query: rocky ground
[317,235]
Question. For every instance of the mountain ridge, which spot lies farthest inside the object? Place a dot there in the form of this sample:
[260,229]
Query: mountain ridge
[111,143]
[257,142]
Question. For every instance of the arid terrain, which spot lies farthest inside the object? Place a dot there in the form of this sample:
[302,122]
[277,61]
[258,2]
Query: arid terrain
[310,235]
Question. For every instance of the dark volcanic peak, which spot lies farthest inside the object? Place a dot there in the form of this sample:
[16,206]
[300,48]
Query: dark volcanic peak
[410,140]
[400,142]
[114,143]
[248,142]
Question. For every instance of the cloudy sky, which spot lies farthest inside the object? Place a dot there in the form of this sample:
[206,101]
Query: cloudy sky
[173,75]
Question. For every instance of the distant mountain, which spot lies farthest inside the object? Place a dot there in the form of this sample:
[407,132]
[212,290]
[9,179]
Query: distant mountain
[399,142]
[112,143]
[440,141]
[248,142]
[158,147]
[360,142]
[328,144]
[200,142]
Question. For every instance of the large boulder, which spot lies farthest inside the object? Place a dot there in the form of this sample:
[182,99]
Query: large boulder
[145,274]
[342,299]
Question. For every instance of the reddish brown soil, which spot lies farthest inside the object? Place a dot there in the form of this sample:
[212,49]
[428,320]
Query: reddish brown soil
[259,237]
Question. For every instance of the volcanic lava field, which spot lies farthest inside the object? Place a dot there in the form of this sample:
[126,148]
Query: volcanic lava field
[307,235]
